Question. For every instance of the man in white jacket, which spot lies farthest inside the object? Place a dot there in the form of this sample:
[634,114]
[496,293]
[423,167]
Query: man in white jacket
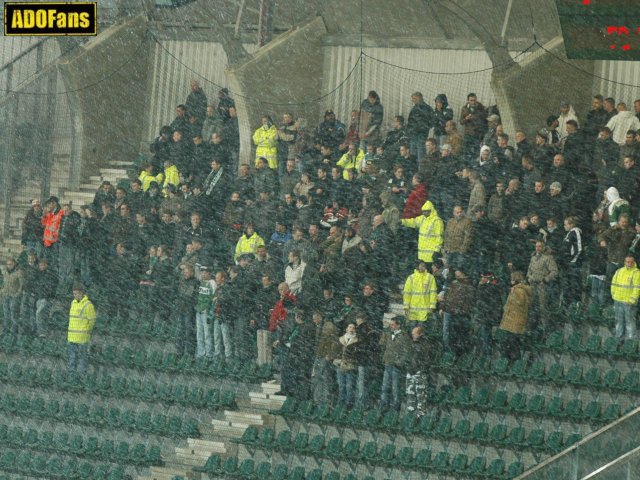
[621,123]
[566,113]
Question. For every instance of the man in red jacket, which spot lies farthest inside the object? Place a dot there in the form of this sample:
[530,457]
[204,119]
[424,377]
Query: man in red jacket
[417,197]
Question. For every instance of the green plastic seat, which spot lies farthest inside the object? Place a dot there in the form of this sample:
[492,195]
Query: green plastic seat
[556,373]
[591,378]
[554,442]
[107,450]
[422,459]
[154,455]
[122,451]
[515,469]
[351,449]
[332,476]
[630,348]
[447,361]
[594,344]
[462,397]
[611,346]
[555,408]
[31,437]
[443,429]
[592,411]
[611,379]
[84,471]
[373,419]
[574,343]
[298,473]
[518,402]
[315,474]
[481,397]
[75,445]
[501,367]
[536,405]
[518,369]
[39,464]
[496,468]
[283,441]
[427,424]
[462,429]
[477,466]
[480,432]
[334,448]
[499,401]
[631,382]
[574,375]
[54,466]
[322,412]
[301,442]
[459,463]
[387,454]
[574,409]
[91,447]
[174,426]
[266,439]
[246,468]
[535,439]
[555,341]
[498,434]
[611,413]
[69,468]
[316,445]
[536,372]
[230,466]
[354,419]
[390,421]
[369,452]
[441,462]
[262,471]
[405,457]
[516,437]
[572,439]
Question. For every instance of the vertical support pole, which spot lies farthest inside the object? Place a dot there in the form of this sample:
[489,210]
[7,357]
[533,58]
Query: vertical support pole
[264,23]
[48,158]
[7,153]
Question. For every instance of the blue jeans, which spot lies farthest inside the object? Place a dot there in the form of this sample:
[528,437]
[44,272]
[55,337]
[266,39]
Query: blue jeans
[11,312]
[417,147]
[597,289]
[625,319]
[42,312]
[446,322]
[203,336]
[390,386]
[361,387]
[28,314]
[346,386]
[322,370]
[222,338]
[77,353]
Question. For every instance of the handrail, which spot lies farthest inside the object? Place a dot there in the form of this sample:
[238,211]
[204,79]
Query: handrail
[621,461]
[581,462]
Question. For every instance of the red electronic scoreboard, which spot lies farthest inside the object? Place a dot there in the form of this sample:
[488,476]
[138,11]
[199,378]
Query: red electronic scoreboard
[600,29]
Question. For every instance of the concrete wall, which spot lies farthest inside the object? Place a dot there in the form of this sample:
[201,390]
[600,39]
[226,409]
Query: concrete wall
[279,77]
[107,78]
[529,92]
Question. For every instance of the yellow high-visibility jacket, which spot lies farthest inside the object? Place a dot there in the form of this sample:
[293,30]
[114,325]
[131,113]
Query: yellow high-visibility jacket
[625,286]
[266,142]
[355,163]
[420,295]
[430,232]
[171,176]
[248,245]
[147,178]
[82,318]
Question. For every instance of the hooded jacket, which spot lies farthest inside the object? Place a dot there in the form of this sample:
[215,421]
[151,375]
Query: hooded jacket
[430,232]
[420,295]
[625,285]
[563,119]
[441,117]
[266,141]
[617,206]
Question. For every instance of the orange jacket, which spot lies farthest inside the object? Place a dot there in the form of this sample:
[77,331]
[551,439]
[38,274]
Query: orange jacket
[51,223]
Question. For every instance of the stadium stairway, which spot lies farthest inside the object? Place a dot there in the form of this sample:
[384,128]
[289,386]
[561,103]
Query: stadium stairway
[115,171]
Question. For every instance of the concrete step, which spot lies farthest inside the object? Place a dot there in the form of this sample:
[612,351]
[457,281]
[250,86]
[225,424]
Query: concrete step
[209,446]
[187,456]
[244,417]
[120,163]
[118,172]
[270,387]
[227,430]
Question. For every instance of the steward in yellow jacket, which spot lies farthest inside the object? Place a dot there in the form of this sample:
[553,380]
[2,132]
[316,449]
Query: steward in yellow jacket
[351,160]
[82,318]
[430,231]
[248,243]
[146,177]
[265,139]
[420,294]
[625,286]
[171,176]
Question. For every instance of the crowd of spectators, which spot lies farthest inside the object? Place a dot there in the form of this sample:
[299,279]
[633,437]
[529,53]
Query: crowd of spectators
[292,258]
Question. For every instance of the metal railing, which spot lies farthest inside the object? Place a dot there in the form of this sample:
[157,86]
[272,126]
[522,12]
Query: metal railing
[597,450]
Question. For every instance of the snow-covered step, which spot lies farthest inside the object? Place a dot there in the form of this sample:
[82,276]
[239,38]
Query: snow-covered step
[120,163]
[270,387]
[244,417]
[396,308]
[167,473]
[113,171]
[191,457]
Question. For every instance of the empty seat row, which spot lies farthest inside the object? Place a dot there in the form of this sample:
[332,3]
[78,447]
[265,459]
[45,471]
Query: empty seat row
[120,387]
[55,467]
[77,445]
[99,416]
[594,345]
[440,463]
[128,357]
[556,374]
